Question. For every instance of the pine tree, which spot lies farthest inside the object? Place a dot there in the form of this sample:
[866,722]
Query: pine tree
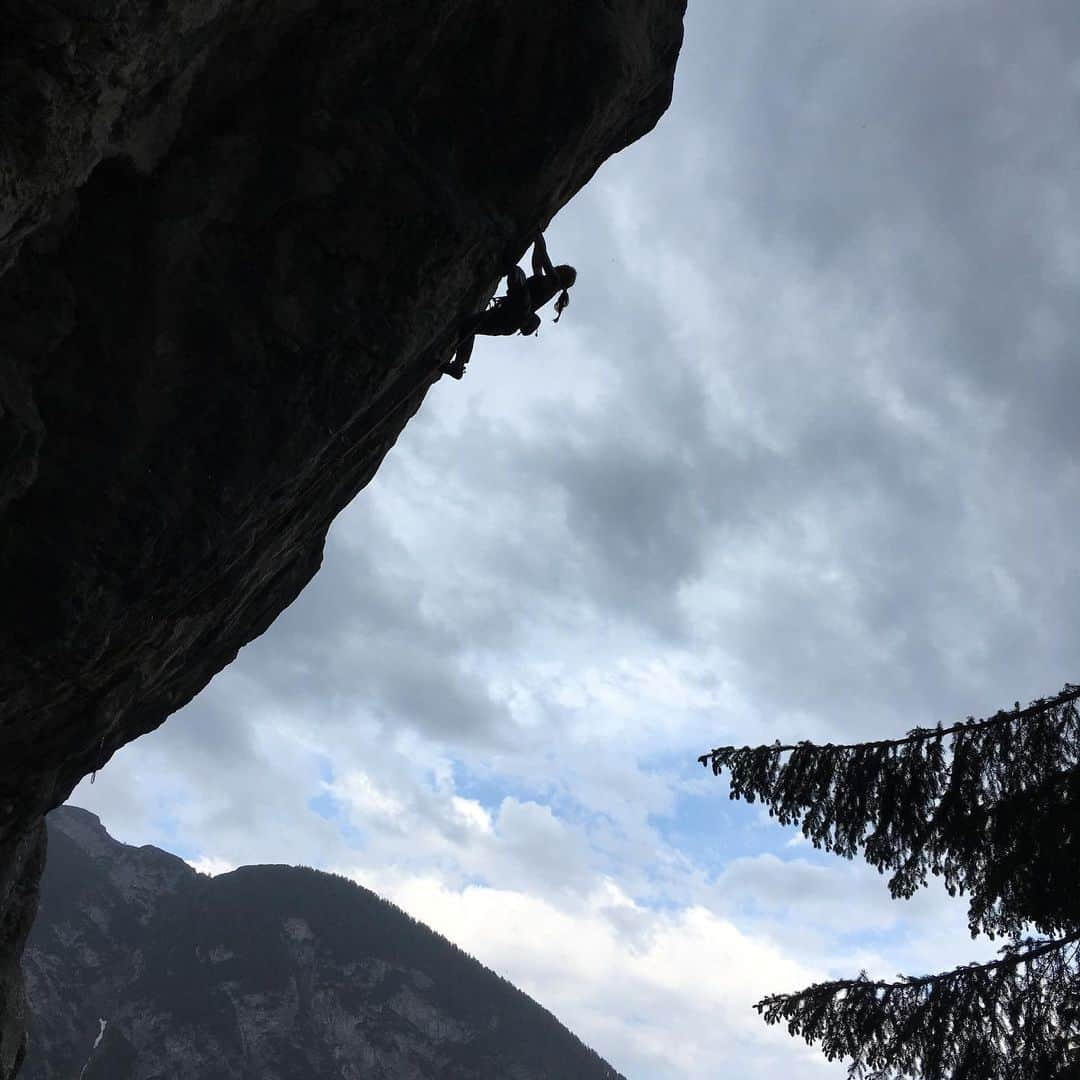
[991,806]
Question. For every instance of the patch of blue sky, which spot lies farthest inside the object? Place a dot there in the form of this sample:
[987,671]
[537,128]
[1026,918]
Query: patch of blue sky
[166,826]
[663,902]
[325,805]
[683,760]
[490,788]
[881,938]
[712,830]
[187,852]
[709,828]
[473,881]
[329,809]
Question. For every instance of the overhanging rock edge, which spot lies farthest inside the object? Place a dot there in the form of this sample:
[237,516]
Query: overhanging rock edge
[234,236]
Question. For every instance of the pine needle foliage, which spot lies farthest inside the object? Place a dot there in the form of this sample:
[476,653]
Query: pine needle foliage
[991,806]
[988,805]
[1012,1019]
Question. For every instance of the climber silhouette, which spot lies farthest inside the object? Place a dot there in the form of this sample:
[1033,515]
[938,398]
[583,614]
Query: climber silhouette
[515,313]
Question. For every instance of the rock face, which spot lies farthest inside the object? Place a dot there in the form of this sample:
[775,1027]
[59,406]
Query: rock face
[236,236]
[138,967]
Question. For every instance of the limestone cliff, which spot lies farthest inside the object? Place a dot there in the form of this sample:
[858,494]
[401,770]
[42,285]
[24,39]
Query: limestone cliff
[236,235]
[139,967]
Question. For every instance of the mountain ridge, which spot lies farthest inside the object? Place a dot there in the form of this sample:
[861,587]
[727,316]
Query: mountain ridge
[287,973]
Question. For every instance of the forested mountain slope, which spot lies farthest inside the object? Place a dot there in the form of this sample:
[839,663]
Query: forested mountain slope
[276,972]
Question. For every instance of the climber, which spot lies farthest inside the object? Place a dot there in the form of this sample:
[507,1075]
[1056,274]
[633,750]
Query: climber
[515,313]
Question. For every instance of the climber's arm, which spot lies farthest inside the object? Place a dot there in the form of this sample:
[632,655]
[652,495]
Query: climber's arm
[541,263]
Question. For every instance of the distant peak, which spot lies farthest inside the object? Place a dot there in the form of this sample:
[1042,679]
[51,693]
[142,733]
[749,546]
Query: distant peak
[82,827]
[71,812]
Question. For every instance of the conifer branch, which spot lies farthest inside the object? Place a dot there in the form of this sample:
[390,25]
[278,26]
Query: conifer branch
[1010,1019]
[991,811]
[1070,693]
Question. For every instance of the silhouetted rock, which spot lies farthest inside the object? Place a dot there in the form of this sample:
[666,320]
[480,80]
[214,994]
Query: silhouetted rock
[138,966]
[237,237]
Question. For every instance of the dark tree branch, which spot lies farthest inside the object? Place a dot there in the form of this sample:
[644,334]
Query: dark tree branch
[1010,1019]
[991,812]
[1069,694]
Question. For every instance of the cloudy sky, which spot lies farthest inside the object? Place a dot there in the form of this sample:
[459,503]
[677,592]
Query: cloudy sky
[800,460]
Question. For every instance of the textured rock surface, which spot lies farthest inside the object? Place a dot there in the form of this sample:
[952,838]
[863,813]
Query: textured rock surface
[236,237]
[271,971]
[18,903]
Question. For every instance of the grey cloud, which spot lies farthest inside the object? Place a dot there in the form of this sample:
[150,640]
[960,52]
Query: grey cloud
[632,512]
[888,177]
[360,639]
[184,791]
[914,168]
[925,152]
[545,856]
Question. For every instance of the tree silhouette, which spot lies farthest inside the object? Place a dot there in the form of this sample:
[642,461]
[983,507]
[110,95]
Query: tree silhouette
[991,806]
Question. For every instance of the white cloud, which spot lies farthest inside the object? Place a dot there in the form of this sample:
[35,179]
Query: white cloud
[662,995]
[211,866]
[472,814]
[366,801]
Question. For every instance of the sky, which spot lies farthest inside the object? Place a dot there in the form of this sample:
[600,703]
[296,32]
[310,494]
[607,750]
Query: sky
[798,461]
